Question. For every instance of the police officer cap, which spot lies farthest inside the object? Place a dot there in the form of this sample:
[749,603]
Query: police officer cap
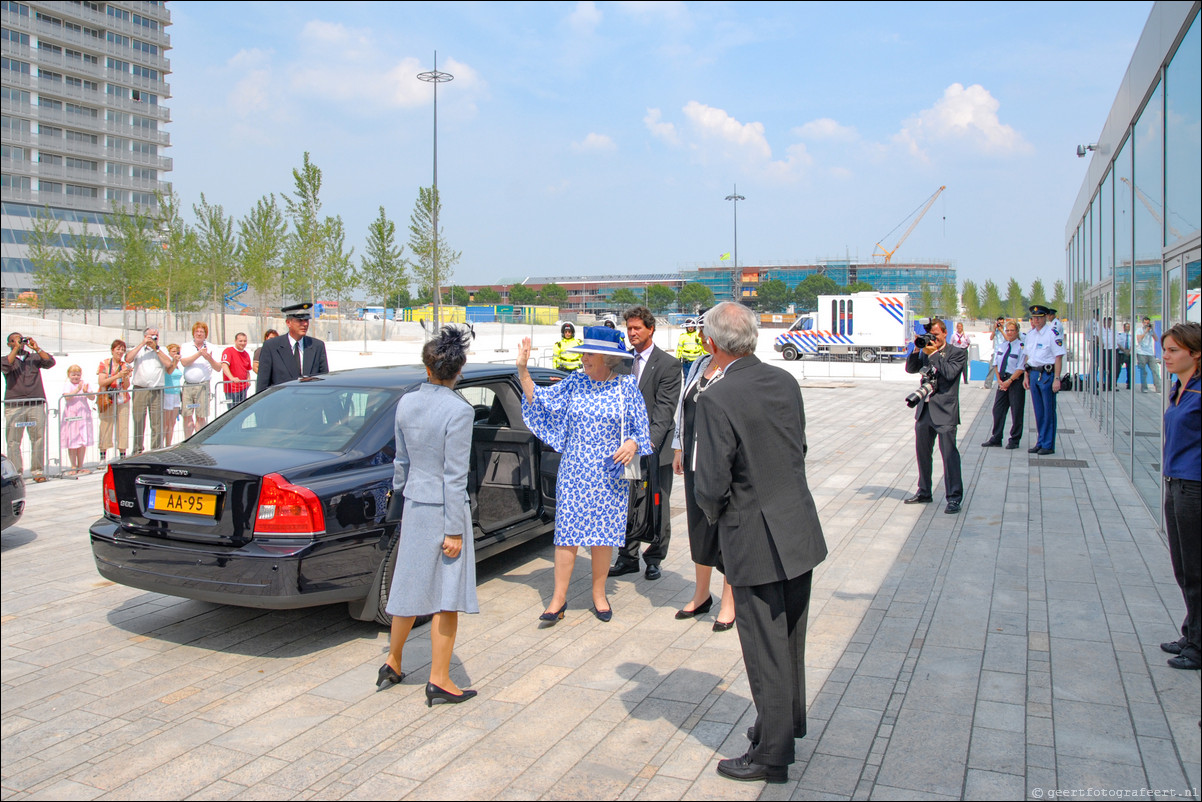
[1039,310]
[298,311]
[1051,312]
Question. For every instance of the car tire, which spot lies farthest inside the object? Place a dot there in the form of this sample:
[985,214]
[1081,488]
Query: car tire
[789,352]
[382,616]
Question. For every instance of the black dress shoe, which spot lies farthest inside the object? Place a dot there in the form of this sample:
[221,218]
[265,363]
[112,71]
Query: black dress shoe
[918,499]
[1033,450]
[623,567]
[1186,662]
[1011,446]
[652,572]
[1043,452]
[991,444]
[952,507]
[603,615]
[723,626]
[434,692]
[747,770]
[701,609]
[1172,647]
[387,677]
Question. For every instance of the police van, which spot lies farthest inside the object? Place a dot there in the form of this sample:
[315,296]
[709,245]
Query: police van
[862,325]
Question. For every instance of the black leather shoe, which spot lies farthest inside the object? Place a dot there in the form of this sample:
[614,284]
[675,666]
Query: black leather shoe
[603,615]
[701,609]
[652,572]
[917,499]
[723,626]
[1186,662]
[434,692]
[991,444]
[747,770]
[952,507]
[1011,446]
[1172,647]
[1033,450]
[623,567]
[387,677]
[1043,452]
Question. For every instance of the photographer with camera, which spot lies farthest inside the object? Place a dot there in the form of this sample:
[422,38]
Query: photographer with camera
[937,411]
[149,377]
[25,401]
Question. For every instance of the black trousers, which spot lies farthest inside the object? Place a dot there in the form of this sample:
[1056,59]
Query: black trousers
[1122,359]
[1014,401]
[655,552]
[772,633]
[1182,509]
[925,434]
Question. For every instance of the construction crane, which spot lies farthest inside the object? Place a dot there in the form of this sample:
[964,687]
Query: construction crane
[1147,202]
[925,206]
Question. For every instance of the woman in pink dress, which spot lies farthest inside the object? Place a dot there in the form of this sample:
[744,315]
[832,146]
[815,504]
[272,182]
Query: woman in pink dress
[75,429]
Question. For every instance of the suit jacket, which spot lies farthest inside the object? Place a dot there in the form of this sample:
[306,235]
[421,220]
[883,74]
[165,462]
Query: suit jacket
[433,451]
[277,364]
[945,402]
[749,474]
[660,386]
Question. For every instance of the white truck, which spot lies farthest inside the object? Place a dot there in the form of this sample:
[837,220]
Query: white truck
[864,325]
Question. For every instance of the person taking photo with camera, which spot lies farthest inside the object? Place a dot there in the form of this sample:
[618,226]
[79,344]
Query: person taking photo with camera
[937,411]
[25,401]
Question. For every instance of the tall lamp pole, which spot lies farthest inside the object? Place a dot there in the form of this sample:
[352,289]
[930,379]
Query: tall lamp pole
[435,77]
[737,281]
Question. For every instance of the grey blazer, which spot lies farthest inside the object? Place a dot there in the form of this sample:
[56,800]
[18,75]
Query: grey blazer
[433,453]
[945,403]
[749,474]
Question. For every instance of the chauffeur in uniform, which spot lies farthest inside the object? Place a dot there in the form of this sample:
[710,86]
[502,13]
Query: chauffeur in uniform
[1011,395]
[1045,359]
[293,355]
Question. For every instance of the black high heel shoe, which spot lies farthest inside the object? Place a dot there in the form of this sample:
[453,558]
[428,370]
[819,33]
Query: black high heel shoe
[604,616]
[387,677]
[554,617]
[701,609]
[434,692]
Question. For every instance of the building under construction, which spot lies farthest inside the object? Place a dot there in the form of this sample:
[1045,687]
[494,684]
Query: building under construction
[728,283]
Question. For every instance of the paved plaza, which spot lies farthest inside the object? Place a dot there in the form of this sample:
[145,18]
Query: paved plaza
[1007,652]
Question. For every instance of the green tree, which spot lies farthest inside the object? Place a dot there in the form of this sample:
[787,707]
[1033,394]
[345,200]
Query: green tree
[1059,302]
[340,272]
[455,295]
[133,256]
[90,261]
[773,296]
[521,295]
[305,245]
[807,291]
[1038,294]
[660,298]
[262,238]
[991,302]
[382,266]
[858,286]
[624,298]
[178,274]
[50,271]
[216,254]
[399,299]
[949,300]
[971,297]
[695,296]
[1016,304]
[553,295]
[425,242]
[927,300]
[487,295]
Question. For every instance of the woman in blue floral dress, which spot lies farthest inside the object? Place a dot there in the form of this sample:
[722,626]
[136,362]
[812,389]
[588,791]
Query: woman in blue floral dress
[597,420]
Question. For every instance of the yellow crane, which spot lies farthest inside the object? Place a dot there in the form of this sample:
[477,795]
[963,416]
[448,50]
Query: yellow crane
[925,206]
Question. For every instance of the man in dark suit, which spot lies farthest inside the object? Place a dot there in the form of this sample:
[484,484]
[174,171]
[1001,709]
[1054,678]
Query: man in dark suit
[658,376]
[938,414]
[293,355]
[749,468]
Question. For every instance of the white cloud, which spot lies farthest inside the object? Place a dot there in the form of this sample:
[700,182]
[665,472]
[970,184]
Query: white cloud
[586,17]
[659,129]
[594,143]
[967,115]
[826,128]
[714,122]
[252,90]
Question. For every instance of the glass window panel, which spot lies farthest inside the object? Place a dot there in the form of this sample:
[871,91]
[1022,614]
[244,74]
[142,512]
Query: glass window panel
[1183,139]
[1124,339]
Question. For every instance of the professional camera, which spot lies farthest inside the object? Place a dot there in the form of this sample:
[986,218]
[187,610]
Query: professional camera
[923,340]
[929,377]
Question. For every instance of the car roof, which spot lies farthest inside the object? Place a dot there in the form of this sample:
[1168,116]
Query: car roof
[404,375]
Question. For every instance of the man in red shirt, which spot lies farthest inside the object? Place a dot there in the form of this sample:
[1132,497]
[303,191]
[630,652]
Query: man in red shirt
[235,364]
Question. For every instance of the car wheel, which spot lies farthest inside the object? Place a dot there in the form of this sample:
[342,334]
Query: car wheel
[867,355]
[789,353]
[382,616]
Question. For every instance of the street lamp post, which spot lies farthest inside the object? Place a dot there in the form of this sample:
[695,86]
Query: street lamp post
[737,280]
[435,77]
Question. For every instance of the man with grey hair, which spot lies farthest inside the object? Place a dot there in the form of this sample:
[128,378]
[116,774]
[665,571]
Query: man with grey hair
[150,362]
[749,468]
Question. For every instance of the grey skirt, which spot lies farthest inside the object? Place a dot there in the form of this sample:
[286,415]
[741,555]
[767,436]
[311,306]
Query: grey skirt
[425,580]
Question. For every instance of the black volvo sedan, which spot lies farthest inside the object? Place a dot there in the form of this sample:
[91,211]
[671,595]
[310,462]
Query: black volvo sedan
[282,502]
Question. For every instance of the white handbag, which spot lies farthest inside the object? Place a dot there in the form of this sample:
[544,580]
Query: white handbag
[633,470]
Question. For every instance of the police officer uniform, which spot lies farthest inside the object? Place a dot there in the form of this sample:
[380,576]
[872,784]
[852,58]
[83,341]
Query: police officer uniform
[688,347]
[562,356]
[1009,363]
[1044,351]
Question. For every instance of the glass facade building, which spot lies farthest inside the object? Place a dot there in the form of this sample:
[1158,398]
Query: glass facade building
[1133,243]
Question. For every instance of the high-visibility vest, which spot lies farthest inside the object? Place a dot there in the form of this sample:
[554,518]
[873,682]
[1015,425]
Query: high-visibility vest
[689,347]
[564,359]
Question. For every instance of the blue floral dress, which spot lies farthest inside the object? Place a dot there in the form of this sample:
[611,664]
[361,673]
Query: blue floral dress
[581,418]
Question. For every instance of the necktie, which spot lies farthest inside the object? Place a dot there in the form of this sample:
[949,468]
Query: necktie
[300,371]
[1006,358]
[638,368]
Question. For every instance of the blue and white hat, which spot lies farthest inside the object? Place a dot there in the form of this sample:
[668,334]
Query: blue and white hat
[602,340]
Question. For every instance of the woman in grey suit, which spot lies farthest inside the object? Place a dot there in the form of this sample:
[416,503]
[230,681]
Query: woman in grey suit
[437,570]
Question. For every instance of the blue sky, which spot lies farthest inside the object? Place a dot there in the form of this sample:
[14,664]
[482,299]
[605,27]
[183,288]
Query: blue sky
[589,138]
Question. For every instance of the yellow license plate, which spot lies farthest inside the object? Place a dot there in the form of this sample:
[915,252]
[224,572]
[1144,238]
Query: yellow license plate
[180,502]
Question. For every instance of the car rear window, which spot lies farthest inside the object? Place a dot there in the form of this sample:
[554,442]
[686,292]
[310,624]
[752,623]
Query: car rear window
[308,417]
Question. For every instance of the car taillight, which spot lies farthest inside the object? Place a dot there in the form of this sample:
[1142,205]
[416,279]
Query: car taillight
[287,509]
[111,507]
